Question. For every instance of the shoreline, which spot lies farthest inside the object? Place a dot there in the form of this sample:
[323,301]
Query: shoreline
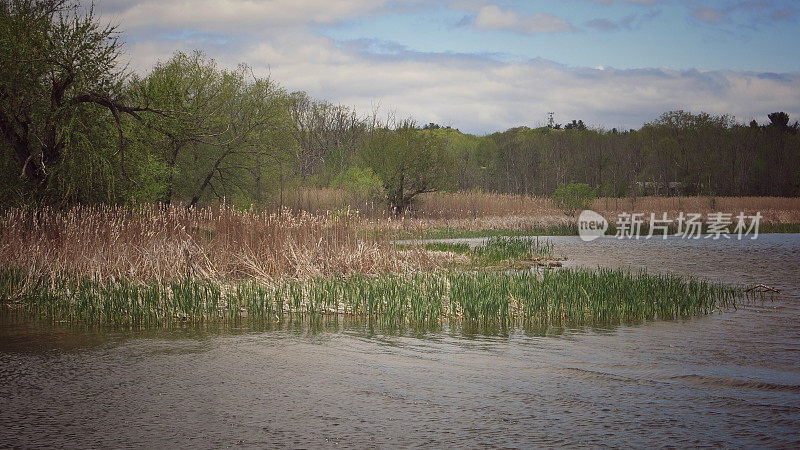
[559,230]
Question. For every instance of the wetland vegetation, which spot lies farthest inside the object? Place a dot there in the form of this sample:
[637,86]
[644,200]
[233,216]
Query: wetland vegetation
[200,254]
[154,266]
[195,192]
[547,298]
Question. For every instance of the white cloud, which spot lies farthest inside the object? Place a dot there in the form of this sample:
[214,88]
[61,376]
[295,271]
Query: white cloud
[237,15]
[483,95]
[750,12]
[472,92]
[494,18]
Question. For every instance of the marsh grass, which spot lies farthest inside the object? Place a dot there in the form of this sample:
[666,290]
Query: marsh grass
[435,232]
[455,247]
[155,265]
[531,298]
[780,228]
[475,214]
[471,205]
[151,242]
[564,230]
[506,248]
[493,251]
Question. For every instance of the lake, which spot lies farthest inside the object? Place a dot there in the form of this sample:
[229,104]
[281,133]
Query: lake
[727,379]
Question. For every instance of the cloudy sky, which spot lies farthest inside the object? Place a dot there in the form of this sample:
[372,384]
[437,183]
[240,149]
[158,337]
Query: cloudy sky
[482,65]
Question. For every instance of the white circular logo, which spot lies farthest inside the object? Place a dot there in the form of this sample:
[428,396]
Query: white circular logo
[591,225]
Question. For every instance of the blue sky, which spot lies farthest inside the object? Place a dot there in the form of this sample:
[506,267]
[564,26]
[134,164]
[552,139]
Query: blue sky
[621,35]
[483,65]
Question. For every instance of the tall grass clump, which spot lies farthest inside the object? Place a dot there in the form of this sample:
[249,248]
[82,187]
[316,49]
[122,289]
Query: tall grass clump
[501,248]
[548,298]
[455,247]
[152,242]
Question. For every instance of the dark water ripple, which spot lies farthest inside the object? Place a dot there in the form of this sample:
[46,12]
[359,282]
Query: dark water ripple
[729,380]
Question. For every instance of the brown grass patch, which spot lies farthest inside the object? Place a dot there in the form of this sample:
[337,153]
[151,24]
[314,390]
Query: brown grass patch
[478,211]
[150,242]
[773,209]
[488,210]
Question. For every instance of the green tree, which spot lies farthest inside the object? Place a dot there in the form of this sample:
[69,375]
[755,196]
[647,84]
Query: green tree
[780,121]
[362,184]
[576,125]
[409,162]
[61,98]
[223,133]
[573,197]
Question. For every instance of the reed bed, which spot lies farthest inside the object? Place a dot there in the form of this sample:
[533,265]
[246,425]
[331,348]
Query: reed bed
[510,215]
[320,201]
[495,249]
[151,242]
[562,298]
[151,264]
[471,210]
[485,226]
[505,248]
[473,232]
[454,247]
[476,205]
[773,209]
[472,204]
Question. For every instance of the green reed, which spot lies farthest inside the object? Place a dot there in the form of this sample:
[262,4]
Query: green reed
[454,233]
[497,249]
[502,248]
[455,247]
[531,298]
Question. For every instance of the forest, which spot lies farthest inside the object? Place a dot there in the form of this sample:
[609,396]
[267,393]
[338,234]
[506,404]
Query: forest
[79,127]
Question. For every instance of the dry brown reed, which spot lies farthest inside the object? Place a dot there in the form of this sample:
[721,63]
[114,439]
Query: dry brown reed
[150,242]
[515,223]
[476,205]
[772,209]
[473,205]
[475,210]
[479,211]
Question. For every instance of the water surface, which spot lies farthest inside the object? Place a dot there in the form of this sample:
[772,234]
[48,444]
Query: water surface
[727,379]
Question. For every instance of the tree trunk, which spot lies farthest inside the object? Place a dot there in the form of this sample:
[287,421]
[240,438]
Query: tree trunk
[207,180]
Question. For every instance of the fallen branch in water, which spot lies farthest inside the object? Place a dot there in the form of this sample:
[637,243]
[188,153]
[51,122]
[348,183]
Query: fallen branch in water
[763,288]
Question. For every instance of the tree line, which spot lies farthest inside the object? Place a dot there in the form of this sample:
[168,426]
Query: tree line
[679,153]
[78,128]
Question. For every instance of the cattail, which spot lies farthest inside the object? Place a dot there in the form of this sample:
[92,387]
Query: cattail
[149,242]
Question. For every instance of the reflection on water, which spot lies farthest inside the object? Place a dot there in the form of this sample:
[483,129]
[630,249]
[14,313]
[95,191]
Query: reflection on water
[728,379]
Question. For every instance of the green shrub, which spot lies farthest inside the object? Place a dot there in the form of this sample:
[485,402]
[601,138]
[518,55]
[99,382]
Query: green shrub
[362,183]
[574,197]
